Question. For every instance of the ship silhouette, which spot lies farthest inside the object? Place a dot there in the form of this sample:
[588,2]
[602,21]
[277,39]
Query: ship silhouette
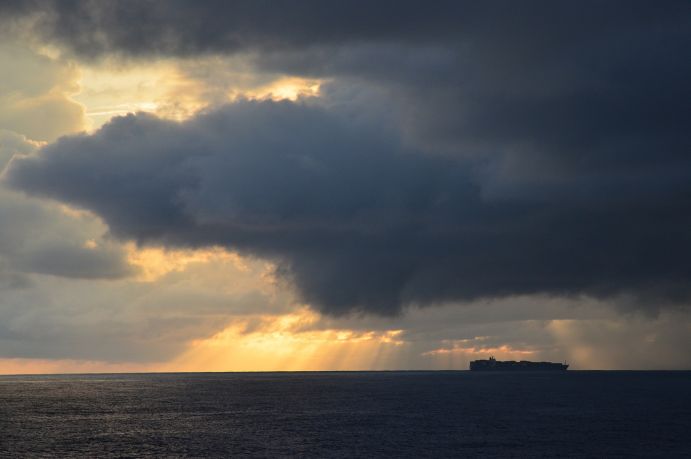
[511,365]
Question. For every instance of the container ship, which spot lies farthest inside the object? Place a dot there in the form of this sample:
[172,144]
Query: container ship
[511,365]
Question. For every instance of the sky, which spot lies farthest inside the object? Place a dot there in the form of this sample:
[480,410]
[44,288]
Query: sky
[325,185]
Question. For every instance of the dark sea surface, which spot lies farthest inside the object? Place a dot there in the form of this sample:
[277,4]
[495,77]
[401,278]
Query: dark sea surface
[378,414]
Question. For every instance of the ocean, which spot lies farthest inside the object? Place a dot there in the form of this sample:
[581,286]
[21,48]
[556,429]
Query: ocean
[348,414]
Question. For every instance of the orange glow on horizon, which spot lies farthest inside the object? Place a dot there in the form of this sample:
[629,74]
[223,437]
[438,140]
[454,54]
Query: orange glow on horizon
[21,366]
[290,343]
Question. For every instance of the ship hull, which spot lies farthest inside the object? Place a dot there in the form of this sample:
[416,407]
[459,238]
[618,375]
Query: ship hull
[495,365]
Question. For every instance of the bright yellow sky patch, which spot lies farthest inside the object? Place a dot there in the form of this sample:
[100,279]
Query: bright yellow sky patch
[286,343]
[166,89]
[288,88]
[109,91]
[155,262]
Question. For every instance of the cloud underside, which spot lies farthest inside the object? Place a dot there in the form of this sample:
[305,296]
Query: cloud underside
[461,152]
[356,220]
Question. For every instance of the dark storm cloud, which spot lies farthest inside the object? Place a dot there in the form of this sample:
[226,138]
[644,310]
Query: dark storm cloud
[586,82]
[186,27]
[566,165]
[570,88]
[357,221]
[183,27]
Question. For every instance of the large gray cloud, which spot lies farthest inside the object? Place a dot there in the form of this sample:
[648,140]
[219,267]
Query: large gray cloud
[37,237]
[357,220]
[565,165]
